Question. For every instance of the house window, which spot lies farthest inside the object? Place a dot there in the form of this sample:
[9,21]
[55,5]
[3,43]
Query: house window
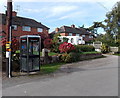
[14,27]
[26,28]
[72,40]
[77,34]
[83,35]
[90,36]
[79,41]
[70,34]
[39,29]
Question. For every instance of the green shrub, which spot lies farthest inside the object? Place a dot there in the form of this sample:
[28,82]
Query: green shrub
[119,49]
[117,43]
[71,57]
[77,49]
[63,57]
[68,58]
[84,48]
[16,62]
[105,48]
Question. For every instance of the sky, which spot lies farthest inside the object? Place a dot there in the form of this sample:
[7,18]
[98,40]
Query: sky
[56,13]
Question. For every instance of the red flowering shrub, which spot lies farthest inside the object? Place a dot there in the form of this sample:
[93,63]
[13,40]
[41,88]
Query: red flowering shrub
[48,43]
[15,44]
[66,47]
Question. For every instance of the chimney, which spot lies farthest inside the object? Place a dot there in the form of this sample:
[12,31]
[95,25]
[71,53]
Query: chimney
[57,29]
[14,13]
[73,26]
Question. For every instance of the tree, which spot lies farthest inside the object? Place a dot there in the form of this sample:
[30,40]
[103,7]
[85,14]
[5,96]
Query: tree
[105,38]
[43,37]
[56,42]
[112,27]
[95,27]
[15,45]
[48,43]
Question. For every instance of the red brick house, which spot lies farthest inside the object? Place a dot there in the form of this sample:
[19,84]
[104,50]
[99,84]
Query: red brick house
[73,31]
[22,26]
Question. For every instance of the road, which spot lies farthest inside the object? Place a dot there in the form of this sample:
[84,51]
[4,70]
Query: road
[98,77]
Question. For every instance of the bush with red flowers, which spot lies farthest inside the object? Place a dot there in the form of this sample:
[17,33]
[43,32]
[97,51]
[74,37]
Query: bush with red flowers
[15,56]
[15,44]
[66,47]
[48,43]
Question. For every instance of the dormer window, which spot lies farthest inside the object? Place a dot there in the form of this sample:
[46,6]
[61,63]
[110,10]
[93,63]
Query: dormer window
[26,28]
[39,30]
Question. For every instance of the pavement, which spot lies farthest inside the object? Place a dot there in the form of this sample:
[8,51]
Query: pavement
[98,77]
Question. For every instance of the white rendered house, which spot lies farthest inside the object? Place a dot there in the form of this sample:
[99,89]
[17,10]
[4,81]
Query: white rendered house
[75,40]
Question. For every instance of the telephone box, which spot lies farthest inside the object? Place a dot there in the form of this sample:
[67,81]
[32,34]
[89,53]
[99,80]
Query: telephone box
[30,53]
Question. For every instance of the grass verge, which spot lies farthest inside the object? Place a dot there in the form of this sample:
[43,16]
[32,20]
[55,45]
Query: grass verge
[93,52]
[117,54]
[50,68]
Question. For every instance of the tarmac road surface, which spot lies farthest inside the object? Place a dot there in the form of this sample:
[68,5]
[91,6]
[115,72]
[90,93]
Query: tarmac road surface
[98,77]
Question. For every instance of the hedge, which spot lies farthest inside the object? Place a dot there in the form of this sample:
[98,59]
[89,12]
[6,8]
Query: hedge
[84,48]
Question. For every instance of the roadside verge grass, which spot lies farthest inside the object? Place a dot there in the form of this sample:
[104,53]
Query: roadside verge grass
[93,52]
[117,54]
[50,68]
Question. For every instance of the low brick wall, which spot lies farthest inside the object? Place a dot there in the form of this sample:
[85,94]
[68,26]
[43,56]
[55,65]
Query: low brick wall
[90,56]
[54,59]
[48,60]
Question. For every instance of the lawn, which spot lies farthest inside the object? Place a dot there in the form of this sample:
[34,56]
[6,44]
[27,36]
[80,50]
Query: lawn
[93,52]
[50,53]
[50,68]
[117,54]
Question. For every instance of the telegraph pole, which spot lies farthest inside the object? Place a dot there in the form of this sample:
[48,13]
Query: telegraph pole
[9,39]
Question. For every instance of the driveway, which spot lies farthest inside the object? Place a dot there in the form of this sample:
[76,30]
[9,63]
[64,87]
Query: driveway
[98,77]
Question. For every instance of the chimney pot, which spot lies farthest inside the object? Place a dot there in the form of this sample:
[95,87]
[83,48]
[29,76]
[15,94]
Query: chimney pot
[73,26]
[57,29]
[14,13]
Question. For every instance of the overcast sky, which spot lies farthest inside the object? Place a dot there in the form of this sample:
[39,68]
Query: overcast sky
[56,13]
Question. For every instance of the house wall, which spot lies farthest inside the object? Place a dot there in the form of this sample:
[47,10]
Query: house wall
[67,34]
[17,33]
[74,34]
[76,40]
[64,34]
[86,38]
[1,29]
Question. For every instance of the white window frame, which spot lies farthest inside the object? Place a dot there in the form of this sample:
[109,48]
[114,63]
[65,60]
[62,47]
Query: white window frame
[77,34]
[26,28]
[79,40]
[83,35]
[70,34]
[14,27]
[90,36]
[39,30]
